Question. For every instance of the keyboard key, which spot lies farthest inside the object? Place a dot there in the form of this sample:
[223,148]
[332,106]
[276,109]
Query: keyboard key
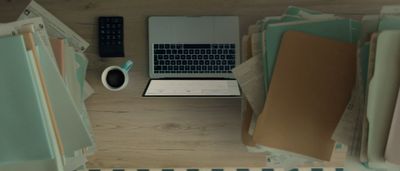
[194,57]
[224,62]
[216,56]
[169,67]
[214,46]
[221,68]
[179,46]
[208,51]
[168,51]
[165,56]
[214,52]
[218,62]
[225,51]
[205,56]
[181,68]
[207,62]
[209,68]
[195,62]
[231,62]
[192,68]
[155,46]
[174,51]
[173,46]
[190,62]
[198,68]
[220,51]
[199,56]
[162,62]
[186,68]
[191,51]
[164,67]
[202,52]
[161,46]
[172,62]
[226,46]
[201,62]
[175,67]
[227,68]
[213,62]
[186,51]
[180,51]
[231,52]
[196,52]
[184,62]
[230,57]
[204,68]
[171,56]
[167,62]
[211,56]
[222,56]
[220,46]
[167,46]
[157,68]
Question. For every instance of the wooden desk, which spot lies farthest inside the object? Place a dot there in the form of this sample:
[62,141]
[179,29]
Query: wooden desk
[132,131]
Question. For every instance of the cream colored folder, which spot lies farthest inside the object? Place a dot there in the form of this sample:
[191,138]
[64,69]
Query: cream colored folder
[382,94]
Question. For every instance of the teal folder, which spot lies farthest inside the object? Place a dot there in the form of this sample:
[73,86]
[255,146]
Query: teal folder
[22,124]
[338,29]
[81,70]
[74,134]
[389,22]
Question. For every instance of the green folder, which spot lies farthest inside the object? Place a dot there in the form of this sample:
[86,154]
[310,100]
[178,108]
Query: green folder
[389,22]
[26,142]
[74,134]
[22,130]
[346,30]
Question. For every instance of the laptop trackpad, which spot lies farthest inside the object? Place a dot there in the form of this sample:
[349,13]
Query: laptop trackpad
[166,88]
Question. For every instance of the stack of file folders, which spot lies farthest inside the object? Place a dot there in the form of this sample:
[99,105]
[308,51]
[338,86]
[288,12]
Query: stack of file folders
[322,90]
[44,125]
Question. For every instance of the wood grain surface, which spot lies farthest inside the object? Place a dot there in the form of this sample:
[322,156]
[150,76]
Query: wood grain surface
[132,131]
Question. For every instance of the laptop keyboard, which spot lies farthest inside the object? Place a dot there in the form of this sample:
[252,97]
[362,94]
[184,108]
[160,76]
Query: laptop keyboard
[194,58]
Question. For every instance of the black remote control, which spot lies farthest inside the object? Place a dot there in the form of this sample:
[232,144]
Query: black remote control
[111,36]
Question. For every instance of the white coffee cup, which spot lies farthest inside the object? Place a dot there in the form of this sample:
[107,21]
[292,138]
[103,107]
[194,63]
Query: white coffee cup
[116,78]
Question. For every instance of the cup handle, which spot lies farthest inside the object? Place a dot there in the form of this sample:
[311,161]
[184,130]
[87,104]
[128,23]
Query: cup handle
[127,65]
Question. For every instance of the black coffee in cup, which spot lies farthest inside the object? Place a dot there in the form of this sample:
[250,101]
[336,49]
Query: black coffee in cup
[115,78]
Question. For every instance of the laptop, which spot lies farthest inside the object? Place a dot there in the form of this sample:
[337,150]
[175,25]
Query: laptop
[193,56]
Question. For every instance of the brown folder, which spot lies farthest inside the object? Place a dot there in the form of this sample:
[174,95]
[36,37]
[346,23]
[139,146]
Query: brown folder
[310,88]
[58,48]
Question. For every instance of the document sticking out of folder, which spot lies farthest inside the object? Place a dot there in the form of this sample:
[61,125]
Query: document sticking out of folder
[309,91]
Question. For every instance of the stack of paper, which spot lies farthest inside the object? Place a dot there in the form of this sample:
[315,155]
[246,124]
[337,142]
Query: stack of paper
[315,84]
[44,122]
